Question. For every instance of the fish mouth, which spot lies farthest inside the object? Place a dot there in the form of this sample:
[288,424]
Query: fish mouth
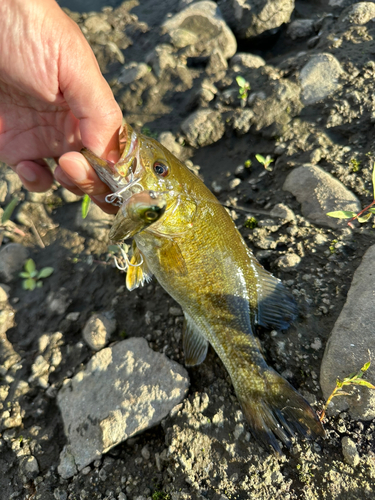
[122,177]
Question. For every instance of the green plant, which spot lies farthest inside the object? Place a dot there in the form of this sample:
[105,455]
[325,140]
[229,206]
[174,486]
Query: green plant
[265,161]
[244,88]
[147,131]
[247,164]
[353,379]
[332,248]
[160,495]
[8,210]
[85,206]
[33,278]
[346,214]
[355,164]
[251,223]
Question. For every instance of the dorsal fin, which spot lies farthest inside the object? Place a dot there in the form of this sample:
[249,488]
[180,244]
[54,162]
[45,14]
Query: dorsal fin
[194,344]
[277,307]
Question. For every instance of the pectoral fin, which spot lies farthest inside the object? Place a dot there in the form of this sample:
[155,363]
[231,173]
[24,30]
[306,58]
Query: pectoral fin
[138,272]
[194,344]
[171,256]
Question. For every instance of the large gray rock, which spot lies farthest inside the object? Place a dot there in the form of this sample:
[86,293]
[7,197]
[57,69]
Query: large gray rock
[201,27]
[203,127]
[319,78]
[12,259]
[319,192]
[359,13]
[125,389]
[250,18]
[352,342]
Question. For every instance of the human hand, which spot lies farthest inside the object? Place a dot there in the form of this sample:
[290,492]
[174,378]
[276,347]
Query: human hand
[53,100]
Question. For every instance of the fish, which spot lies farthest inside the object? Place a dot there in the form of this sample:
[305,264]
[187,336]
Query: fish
[199,257]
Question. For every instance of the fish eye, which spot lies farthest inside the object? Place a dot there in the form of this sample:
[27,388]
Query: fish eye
[161,169]
[151,216]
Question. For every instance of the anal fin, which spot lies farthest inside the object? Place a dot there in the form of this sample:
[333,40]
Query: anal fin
[194,344]
[277,307]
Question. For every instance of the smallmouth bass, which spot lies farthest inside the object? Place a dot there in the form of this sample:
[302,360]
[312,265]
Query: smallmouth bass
[198,256]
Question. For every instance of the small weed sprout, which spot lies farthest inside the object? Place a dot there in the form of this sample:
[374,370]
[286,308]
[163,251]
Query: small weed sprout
[85,207]
[265,161]
[251,223]
[32,277]
[247,164]
[353,379]
[346,214]
[244,88]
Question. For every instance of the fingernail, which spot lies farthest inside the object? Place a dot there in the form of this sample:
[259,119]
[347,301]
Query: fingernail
[26,173]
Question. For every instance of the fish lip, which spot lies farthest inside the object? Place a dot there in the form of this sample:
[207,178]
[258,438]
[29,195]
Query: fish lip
[116,175]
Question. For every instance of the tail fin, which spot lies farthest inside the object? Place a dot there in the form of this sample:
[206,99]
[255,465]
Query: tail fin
[278,411]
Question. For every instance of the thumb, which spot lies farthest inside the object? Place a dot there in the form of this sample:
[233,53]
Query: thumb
[88,94]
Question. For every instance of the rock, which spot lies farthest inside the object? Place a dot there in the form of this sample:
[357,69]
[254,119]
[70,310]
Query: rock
[58,301]
[203,127]
[249,18]
[319,78]
[125,389]
[242,120]
[300,28]
[12,260]
[96,224]
[132,72]
[201,27]
[351,341]
[283,211]
[98,330]
[9,183]
[289,261]
[319,192]
[4,291]
[97,24]
[161,58]
[360,13]
[350,452]
[67,466]
[167,139]
[29,467]
[247,60]
[8,356]
[216,63]
[68,196]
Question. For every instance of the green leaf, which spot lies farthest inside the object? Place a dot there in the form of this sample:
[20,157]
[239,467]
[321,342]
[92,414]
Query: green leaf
[341,214]
[373,179]
[24,275]
[30,266]
[241,81]
[39,284]
[8,210]
[364,383]
[372,210]
[45,272]
[30,284]
[364,218]
[261,159]
[34,274]
[366,366]
[86,201]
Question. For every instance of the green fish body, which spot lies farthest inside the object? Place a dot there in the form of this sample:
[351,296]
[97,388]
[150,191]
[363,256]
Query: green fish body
[199,257]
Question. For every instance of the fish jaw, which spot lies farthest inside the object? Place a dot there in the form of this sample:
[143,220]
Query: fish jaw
[123,176]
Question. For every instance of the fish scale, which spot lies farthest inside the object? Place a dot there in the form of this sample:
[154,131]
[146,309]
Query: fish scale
[199,257]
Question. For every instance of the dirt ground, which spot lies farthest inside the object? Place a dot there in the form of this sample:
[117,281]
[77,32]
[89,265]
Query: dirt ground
[203,450]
